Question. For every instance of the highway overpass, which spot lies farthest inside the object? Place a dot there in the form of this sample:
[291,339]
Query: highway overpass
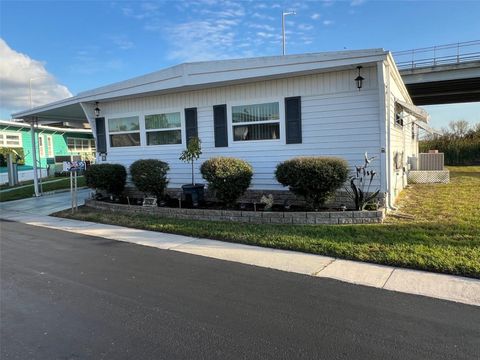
[442,74]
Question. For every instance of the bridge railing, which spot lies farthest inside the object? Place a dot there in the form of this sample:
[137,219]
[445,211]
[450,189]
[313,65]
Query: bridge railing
[438,55]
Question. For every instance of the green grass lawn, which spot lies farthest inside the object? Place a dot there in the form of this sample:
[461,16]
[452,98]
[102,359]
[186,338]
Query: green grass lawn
[28,191]
[443,237]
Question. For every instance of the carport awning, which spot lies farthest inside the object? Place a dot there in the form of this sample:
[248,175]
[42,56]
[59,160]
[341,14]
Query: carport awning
[427,128]
[413,110]
[50,114]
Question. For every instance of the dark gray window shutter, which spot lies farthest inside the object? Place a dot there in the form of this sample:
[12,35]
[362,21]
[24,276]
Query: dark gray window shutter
[101,135]
[191,125]
[293,120]
[220,125]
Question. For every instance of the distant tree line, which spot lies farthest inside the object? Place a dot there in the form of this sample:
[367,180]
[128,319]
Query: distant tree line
[460,143]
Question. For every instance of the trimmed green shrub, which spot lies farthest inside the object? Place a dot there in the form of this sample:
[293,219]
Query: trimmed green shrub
[150,176]
[229,178]
[314,178]
[108,177]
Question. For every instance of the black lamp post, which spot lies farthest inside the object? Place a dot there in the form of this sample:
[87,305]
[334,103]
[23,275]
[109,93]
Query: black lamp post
[96,110]
[359,79]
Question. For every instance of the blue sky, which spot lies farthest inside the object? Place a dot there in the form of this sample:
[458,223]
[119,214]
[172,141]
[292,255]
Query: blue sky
[78,45]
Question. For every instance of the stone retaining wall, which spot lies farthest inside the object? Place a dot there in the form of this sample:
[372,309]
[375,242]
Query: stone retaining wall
[257,217]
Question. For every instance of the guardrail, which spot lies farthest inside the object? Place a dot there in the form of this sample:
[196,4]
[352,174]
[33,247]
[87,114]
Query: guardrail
[438,55]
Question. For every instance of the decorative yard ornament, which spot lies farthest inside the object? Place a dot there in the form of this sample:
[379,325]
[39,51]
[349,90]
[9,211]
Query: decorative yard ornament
[359,79]
[361,183]
[268,201]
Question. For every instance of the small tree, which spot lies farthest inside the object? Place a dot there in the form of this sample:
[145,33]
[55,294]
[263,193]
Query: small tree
[150,176]
[192,153]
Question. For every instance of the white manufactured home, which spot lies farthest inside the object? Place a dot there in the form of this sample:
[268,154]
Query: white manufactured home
[264,110]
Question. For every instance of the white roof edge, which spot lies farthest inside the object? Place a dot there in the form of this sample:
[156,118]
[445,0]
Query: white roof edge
[45,127]
[196,74]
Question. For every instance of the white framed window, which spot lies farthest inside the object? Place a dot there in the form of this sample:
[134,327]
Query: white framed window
[49,145]
[80,145]
[41,146]
[124,131]
[256,121]
[399,115]
[163,129]
[10,139]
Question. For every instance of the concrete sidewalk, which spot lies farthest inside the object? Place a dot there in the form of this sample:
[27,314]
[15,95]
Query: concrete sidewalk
[447,287]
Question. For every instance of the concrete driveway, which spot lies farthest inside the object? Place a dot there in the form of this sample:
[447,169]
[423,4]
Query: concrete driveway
[43,205]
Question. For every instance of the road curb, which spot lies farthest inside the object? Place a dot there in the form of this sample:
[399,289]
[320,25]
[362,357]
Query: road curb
[440,286]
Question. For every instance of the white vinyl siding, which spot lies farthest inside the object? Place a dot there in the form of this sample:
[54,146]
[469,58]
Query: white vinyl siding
[337,120]
[402,145]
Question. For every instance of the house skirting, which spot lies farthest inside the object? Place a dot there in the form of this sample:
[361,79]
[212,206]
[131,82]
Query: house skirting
[428,176]
[280,197]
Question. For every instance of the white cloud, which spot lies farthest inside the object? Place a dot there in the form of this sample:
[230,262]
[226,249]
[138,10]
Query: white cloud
[328,22]
[356,2]
[328,3]
[210,40]
[257,15]
[122,42]
[305,27]
[265,27]
[93,59]
[315,16]
[16,70]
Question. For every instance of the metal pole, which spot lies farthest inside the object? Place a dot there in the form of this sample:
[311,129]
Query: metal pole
[40,160]
[76,197]
[284,45]
[71,188]
[30,83]
[34,159]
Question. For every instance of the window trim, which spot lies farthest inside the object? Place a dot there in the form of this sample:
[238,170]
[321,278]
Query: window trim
[76,150]
[124,115]
[259,101]
[400,124]
[41,145]
[143,132]
[160,112]
[50,152]
[3,141]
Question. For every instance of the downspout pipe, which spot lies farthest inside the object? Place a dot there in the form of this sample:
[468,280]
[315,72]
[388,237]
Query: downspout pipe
[390,205]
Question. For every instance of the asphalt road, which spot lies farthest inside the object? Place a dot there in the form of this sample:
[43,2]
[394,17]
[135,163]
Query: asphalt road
[67,296]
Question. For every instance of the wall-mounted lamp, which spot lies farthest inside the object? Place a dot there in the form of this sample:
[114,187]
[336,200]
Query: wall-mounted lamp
[96,110]
[359,79]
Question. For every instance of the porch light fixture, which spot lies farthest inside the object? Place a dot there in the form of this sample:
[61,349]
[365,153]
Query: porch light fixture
[96,110]
[359,79]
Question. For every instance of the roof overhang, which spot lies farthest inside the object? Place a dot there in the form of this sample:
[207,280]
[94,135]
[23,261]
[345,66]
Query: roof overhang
[194,76]
[64,110]
[413,110]
[427,127]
